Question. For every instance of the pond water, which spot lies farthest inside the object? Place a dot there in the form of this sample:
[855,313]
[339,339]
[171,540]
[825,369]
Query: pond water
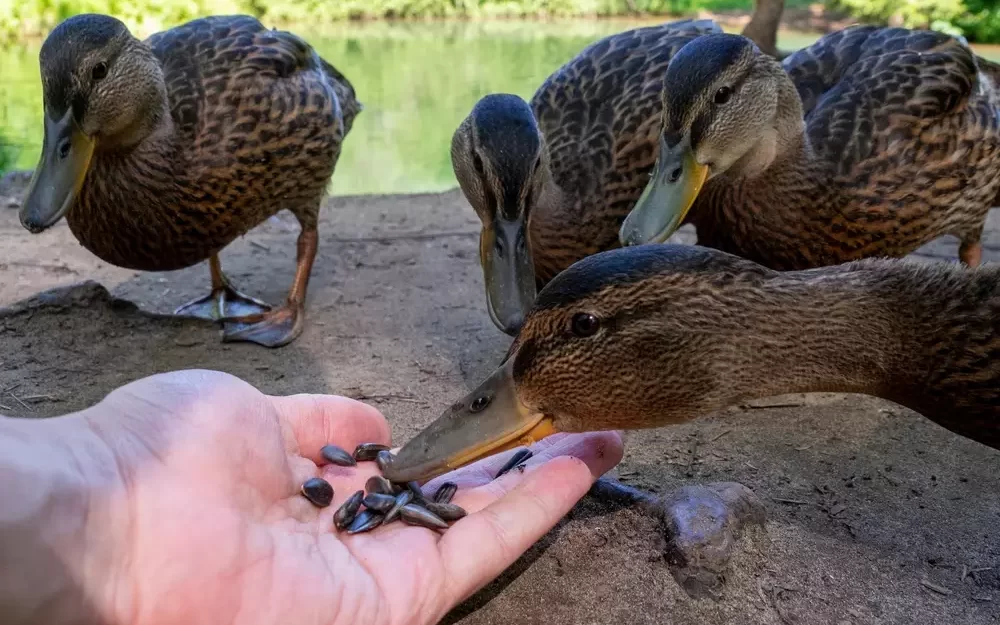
[416,80]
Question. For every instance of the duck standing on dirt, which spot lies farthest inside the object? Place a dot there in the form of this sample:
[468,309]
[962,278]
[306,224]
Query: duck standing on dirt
[870,142]
[552,180]
[654,335]
[161,152]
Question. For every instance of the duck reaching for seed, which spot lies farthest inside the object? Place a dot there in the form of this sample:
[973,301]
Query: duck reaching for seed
[161,152]
[653,335]
[552,180]
[871,142]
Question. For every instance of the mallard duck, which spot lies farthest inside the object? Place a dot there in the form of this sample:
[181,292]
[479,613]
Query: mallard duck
[161,152]
[871,142]
[653,335]
[552,180]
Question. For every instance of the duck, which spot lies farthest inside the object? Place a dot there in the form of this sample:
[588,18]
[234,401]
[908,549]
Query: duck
[869,143]
[552,179]
[161,152]
[652,335]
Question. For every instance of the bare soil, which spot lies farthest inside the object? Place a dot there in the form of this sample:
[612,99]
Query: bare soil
[875,515]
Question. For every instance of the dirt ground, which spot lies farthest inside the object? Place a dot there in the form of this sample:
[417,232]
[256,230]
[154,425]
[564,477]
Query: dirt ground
[875,515]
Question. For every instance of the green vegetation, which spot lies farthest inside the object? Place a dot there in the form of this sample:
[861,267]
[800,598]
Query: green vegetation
[977,20]
[33,18]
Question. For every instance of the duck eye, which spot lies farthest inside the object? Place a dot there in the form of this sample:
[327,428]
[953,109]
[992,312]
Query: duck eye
[480,403]
[723,94]
[478,164]
[585,324]
[100,71]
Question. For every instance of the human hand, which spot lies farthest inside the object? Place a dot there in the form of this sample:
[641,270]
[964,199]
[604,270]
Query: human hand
[205,522]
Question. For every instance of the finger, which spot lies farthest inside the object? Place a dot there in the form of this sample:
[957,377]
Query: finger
[479,547]
[599,450]
[317,420]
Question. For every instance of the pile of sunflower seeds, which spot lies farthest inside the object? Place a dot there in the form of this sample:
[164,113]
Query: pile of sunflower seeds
[382,501]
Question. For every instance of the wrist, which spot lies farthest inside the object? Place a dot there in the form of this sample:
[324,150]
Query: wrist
[63,523]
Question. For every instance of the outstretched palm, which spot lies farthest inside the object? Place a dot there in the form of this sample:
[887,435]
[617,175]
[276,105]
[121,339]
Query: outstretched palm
[209,471]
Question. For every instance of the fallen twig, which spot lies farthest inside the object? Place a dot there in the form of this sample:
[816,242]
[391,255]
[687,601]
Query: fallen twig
[764,406]
[18,400]
[792,501]
[260,246]
[718,436]
[387,396]
[41,397]
[941,590]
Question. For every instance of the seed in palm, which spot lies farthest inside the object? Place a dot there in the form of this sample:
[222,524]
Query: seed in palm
[366,521]
[366,452]
[515,460]
[318,491]
[345,514]
[336,455]
[414,514]
[446,492]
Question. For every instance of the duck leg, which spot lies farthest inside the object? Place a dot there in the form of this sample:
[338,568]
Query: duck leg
[280,326]
[971,253]
[223,301]
[701,525]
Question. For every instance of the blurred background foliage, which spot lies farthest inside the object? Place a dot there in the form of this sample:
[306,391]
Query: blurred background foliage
[977,20]
[420,65]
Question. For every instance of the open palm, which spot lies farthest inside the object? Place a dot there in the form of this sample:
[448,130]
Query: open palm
[216,532]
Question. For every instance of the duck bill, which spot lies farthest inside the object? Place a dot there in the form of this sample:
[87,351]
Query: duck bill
[676,182]
[508,272]
[66,155]
[469,430]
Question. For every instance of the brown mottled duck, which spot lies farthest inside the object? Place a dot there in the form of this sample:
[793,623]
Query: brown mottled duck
[871,142]
[653,335]
[552,180]
[161,152]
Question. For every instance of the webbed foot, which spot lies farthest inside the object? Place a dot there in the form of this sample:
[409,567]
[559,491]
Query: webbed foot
[701,525]
[224,301]
[271,329]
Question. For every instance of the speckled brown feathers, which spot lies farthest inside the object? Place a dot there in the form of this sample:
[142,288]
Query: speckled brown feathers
[901,145]
[685,331]
[256,121]
[599,115]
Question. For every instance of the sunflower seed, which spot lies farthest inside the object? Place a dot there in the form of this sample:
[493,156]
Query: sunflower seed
[345,514]
[418,515]
[515,460]
[446,492]
[447,511]
[402,499]
[379,502]
[366,452]
[378,484]
[383,459]
[366,521]
[336,455]
[418,493]
[318,491]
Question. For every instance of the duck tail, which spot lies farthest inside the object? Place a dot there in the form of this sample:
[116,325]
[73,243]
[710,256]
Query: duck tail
[350,106]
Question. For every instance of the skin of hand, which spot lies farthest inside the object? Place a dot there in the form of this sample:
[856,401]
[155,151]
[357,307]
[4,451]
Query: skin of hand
[176,500]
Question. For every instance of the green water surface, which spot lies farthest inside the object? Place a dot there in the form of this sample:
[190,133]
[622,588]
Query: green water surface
[416,80]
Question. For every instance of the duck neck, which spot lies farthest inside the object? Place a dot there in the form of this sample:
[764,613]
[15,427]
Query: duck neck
[553,211]
[770,205]
[918,335]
